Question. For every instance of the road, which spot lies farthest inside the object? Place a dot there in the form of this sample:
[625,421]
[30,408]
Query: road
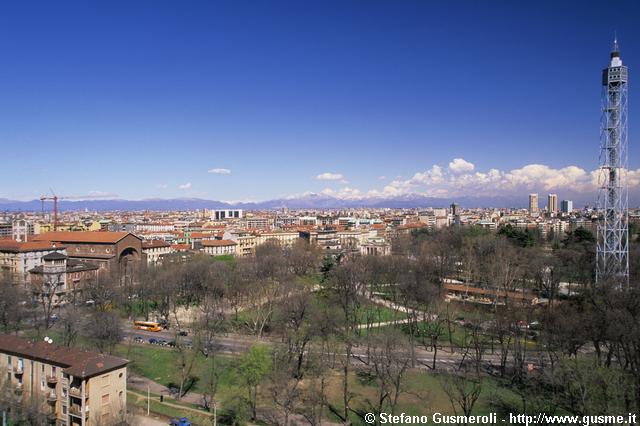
[234,345]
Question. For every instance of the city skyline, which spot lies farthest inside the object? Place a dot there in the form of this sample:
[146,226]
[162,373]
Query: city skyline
[241,103]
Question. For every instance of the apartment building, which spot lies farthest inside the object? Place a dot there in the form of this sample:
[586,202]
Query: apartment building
[69,386]
[18,258]
[246,241]
[257,222]
[283,238]
[219,247]
[22,230]
[60,279]
[155,250]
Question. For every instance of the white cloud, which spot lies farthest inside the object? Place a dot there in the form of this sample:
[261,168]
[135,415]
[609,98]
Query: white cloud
[219,171]
[461,178]
[185,186]
[383,177]
[344,193]
[431,176]
[162,186]
[330,176]
[460,165]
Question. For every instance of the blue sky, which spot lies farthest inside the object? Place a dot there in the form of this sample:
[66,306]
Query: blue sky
[142,98]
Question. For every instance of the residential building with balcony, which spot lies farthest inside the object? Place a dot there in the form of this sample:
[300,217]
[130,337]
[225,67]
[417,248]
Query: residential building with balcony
[18,258]
[59,279]
[69,386]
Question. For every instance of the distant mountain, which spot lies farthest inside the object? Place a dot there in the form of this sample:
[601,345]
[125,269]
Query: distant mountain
[308,201]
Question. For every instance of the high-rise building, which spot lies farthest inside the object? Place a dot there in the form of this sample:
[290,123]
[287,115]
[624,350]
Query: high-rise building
[533,203]
[612,254]
[566,206]
[454,209]
[552,203]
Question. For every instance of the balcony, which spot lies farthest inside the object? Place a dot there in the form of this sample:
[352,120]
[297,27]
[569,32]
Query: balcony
[75,392]
[18,390]
[18,370]
[52,380]
[75,410]
[52,397]
[52,417]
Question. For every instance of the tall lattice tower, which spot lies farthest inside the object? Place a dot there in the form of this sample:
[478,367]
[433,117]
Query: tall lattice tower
[612,259]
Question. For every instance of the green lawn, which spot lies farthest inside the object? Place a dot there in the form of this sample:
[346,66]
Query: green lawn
[160,365]
[423,395]
[138,400]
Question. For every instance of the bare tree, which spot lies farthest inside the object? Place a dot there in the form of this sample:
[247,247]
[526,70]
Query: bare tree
[12,305]
[346,284]
[388,363]
[463,392]
[103,329]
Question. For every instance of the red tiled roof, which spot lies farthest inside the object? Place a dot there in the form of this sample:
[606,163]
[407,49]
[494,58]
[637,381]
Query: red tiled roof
[155,244]
[76,362]
[14,246]
[83,236]
[218,243]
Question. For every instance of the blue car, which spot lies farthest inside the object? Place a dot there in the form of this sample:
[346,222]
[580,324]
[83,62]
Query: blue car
[180,422]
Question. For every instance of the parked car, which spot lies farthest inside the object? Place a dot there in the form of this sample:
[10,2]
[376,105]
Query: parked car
[183,332]
[183,421]
[138,339]
[153,341]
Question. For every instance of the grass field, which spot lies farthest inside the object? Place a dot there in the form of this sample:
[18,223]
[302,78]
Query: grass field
[159,364]
[423,392]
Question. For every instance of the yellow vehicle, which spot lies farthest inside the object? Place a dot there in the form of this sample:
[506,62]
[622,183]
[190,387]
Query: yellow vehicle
[147,325]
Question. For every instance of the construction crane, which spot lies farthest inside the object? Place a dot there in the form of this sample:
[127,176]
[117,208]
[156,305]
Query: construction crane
[55,207]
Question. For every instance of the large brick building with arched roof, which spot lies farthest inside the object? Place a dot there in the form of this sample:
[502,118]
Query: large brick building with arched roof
[107,250]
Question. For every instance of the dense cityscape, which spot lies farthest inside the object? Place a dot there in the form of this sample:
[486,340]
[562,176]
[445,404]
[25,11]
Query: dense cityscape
[361,308]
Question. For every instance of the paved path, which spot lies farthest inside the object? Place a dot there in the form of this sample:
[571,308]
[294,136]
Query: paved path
[383,324]
[170,403]
[140,420]
[141,384]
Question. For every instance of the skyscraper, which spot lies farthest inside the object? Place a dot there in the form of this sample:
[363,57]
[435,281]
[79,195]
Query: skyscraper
[552,203]
[612,255]
[566,206]
[533,203]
